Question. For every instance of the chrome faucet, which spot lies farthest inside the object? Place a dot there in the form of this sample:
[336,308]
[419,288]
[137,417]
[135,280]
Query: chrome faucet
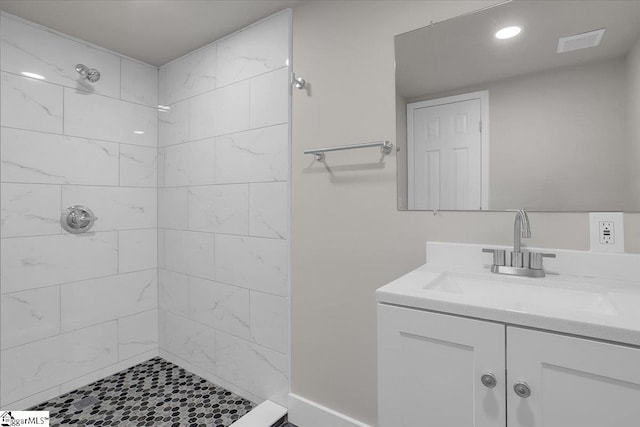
[521,263]
[521,229]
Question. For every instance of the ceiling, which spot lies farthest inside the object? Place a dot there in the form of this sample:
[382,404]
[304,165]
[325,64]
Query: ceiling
[151,31]
[462,52]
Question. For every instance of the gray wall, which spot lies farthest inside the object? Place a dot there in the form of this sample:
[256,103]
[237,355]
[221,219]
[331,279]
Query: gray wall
[348,237]
[559,138]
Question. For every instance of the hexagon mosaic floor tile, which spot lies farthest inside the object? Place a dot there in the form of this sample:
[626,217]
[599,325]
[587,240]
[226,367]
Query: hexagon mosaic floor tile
[155,393]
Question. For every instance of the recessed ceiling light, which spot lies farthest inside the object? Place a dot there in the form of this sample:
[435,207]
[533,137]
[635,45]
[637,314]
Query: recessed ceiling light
[508,32]
[138,132]
[32,75]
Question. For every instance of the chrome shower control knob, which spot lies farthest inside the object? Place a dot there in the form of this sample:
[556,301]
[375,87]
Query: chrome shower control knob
[488,380]
[522,389]
[77,219]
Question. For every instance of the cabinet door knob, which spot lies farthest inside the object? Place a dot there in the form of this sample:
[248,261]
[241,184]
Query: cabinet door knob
[488,380]
[522,389]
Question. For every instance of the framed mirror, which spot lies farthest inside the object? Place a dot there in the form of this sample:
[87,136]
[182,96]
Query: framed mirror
[544,115]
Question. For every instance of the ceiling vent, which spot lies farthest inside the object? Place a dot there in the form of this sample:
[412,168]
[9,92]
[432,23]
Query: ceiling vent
[580,41]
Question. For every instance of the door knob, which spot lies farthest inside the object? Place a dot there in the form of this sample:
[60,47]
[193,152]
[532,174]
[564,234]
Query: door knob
[488,380]
[522,389]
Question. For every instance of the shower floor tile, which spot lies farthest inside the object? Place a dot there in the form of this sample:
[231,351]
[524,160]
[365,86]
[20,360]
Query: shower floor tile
[155,393]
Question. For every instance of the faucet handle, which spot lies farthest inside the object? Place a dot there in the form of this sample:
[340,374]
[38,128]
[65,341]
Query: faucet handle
[535,259]
[499,255]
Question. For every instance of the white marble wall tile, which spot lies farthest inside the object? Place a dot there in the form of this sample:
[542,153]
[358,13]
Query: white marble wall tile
[255,50]
[249,170]
[30,316]
[221,306]
[254,263]
[270,99]
[220,112]
[139,83]
[101,373]
[28,48]
[137,334]
[202,116]
[270,321]
[172,208]
[34,399]
[30,104]
[174,292]
[219,208]
[98,300]
[254,156]
[188,76]
[34,367]
[269,209]
[254,368]
[189,164]
[138,166]
[188,252]
[29,210]
[137,250]
[60,159]
[161,167]
[173,124]
[161,250]
[231,108]
[32,262]
[93,116]
[189,340]
[53,281]
[117,208]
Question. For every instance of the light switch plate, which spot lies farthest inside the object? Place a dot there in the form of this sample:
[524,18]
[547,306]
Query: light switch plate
[606,231]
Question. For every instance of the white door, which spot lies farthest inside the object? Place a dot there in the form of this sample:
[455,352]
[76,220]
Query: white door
[429,370]
[574,382]
[444,142]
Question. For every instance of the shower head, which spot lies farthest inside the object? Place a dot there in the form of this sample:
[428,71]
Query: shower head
[90,74]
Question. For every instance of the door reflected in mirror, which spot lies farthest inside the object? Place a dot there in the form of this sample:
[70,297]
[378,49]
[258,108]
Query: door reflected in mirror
[547,120]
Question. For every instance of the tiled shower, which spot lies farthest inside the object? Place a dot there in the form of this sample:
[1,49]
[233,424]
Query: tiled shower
[187,169]
[222,238]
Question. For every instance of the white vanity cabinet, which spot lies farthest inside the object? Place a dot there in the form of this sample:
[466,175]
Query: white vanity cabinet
[429,370]
[430,367]
[574,382]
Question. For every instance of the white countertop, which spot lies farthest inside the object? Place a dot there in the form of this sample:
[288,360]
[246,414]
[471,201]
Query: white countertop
[606,307]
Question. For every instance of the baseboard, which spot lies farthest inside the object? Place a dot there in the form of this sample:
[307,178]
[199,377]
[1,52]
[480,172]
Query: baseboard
[266,414]
[306,413]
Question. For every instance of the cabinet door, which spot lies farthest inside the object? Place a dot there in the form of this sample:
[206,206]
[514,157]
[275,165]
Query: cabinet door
[429,370]
[574,382]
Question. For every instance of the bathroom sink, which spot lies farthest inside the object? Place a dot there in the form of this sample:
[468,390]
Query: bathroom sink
[526,295]
[583,293]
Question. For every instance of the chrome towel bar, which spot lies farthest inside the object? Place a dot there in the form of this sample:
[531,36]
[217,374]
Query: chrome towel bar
[385,148]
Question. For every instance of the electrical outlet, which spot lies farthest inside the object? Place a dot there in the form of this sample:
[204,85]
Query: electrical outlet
[607,231]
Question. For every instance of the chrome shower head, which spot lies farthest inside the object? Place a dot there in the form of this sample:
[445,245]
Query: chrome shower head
[90,74]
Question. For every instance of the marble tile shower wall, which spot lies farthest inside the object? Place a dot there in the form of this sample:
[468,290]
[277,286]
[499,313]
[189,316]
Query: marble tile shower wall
[75,308]
[223,211]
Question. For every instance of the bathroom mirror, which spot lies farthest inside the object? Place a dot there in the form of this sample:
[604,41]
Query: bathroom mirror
[547,120]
